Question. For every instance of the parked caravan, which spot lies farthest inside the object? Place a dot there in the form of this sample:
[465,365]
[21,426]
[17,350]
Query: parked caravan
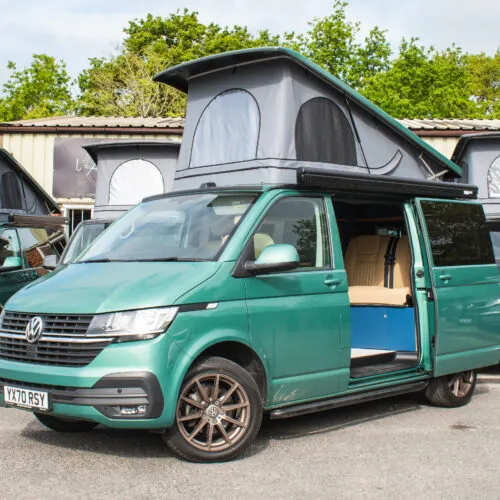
[479,157]
[28,229]
[127,172]
[313,254]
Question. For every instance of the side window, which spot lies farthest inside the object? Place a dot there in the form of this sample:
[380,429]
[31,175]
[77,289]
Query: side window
[300,222]
[458,233]
[38,242]
[10,252]
[228,130]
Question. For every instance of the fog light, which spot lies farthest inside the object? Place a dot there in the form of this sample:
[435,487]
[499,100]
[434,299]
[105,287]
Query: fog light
[133,410]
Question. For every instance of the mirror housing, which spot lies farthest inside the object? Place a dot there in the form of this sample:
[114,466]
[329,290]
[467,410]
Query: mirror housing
[50,262]
[11,263]
[274,258]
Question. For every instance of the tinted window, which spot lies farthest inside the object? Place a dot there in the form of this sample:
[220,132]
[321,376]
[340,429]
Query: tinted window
[323,134]
[458,234]
[300,222]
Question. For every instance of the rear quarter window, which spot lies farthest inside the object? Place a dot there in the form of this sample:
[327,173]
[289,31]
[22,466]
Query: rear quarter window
[458,233]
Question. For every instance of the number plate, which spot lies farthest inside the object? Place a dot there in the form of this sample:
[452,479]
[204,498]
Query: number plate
[25,398]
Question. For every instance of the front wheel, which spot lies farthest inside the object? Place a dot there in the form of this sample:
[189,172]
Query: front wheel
[219,412]
[452,390]
[64,425]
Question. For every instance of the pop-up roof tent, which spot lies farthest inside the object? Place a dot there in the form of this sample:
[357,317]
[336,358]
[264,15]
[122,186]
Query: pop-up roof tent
[128,171]
[256,116]
[479,157]
[20,193]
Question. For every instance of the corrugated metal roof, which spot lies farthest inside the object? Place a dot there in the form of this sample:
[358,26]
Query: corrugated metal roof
[125,122]
[451,124]
[99,121]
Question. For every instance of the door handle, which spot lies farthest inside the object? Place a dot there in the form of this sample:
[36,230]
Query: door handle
[332,281]
[445,277]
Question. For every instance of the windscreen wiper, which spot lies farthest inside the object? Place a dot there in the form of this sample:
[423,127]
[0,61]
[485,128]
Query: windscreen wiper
[168,259]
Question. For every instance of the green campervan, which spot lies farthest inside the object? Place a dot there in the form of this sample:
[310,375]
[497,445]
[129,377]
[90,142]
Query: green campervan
[313,254]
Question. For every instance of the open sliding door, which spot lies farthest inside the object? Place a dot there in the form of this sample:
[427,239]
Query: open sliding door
[465,285]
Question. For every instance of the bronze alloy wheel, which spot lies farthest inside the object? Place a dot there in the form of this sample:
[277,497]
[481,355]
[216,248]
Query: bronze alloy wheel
[213,412]
[461,383]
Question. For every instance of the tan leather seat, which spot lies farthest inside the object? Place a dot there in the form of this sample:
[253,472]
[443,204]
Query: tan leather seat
[365,266]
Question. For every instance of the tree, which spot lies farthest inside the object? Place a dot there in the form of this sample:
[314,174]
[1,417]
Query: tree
[485,71]
[423,83]
[122,84]
[40,90]
[332,43]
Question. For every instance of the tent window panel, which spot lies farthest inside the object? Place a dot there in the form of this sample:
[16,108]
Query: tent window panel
[11,195]
[134,180]
[228,130]
[494,179]
[323,133]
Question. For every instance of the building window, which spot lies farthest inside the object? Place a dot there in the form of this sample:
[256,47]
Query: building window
[77,215]
[323,133]
[228,130]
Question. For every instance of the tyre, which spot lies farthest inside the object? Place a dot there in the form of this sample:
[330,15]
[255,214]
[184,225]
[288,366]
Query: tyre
[452,390]
[218,414]
[64,425]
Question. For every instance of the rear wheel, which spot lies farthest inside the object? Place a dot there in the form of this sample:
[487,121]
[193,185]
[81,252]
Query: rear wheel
[452,390]
[219,412]
[64,425]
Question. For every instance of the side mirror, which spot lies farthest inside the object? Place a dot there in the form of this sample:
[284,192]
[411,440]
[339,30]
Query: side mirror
[11,263]
[278,257]
[50,262]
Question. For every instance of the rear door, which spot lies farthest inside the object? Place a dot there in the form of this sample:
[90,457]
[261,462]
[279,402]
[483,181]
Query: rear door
[465,285]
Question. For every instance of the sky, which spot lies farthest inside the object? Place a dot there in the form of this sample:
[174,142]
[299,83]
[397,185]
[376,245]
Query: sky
[75,30]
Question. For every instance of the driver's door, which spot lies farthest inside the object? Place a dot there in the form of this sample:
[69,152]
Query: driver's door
[299,320]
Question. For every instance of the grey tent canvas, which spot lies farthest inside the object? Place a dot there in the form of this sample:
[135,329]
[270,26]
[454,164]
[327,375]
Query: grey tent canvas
[20,193]
[479,157]
[128,171]
[255,116]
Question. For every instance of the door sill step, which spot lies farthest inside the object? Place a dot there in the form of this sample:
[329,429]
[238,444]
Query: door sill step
[352,399]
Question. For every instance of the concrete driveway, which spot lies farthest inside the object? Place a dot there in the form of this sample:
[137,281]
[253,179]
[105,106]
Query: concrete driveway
[396,448]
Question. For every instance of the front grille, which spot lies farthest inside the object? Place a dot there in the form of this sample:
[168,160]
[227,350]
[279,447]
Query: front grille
[63,341]
[60,324]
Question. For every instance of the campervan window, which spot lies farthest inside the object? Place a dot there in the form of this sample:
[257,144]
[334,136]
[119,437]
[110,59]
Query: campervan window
[188,227]
[134,180]
[323,133]
[494,179]
[228,130]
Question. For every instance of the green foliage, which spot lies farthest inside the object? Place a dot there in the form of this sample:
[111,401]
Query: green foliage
[485,72]
[122,85]
[423,83]
[417,82]
[40,90]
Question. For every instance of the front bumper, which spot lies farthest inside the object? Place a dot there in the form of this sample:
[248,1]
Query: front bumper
[107,395]
[123,374]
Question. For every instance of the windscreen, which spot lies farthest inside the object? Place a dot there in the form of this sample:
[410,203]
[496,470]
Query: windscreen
[188,227]
[81,239]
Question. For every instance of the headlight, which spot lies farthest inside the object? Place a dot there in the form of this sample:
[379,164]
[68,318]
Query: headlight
[141,324]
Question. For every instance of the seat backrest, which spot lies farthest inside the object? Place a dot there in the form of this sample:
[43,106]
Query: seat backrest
[402,263]
[365,259]
[261,241]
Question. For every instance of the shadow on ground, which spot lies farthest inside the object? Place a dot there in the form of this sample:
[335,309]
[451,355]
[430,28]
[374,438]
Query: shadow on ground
[142,444]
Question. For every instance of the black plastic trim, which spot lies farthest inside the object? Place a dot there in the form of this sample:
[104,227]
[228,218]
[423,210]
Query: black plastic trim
[339,402]
[342,182]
